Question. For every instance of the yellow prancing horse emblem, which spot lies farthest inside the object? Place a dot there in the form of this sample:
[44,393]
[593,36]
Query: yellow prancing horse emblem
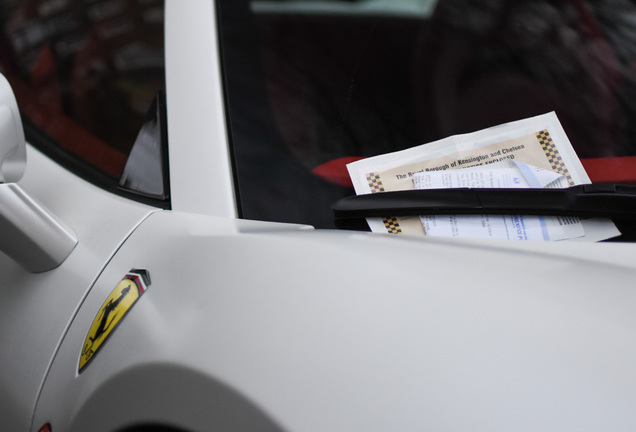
[118,303]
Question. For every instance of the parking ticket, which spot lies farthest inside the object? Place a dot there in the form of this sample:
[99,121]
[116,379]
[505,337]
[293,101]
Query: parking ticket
[504,174]
[538,142]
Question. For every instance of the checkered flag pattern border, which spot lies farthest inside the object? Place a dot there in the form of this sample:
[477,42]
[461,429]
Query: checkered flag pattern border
[375,183]
[392,225]
[551,152]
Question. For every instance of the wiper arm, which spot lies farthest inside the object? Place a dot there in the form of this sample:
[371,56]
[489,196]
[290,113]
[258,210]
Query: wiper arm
[609,200]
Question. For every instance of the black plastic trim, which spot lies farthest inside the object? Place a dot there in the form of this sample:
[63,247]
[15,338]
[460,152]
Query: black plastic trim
[149,150]
[223,8]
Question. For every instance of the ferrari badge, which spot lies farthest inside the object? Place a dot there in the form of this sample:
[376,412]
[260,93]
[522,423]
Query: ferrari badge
[116,306]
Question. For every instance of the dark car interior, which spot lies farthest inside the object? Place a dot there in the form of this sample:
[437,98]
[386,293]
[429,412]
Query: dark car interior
[309,91]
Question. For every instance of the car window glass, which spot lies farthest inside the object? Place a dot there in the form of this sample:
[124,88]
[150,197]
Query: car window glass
[312,85]
[84,72]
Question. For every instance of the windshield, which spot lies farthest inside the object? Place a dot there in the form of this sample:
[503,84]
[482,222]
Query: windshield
[312,85]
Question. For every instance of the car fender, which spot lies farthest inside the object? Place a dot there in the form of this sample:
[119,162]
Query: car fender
[323,330]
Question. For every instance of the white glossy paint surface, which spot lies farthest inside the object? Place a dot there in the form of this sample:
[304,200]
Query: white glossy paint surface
[200,173]
[316,330]
[36,308]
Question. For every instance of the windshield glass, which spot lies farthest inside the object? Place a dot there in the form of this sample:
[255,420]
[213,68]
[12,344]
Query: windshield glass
[312,85]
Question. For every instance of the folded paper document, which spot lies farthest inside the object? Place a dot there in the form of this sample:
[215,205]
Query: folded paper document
[534,152]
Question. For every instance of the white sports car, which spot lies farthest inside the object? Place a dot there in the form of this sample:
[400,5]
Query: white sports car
[178,268]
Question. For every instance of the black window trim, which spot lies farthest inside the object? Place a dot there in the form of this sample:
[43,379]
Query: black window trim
[49,147]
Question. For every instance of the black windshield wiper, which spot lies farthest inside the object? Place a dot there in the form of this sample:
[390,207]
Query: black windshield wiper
[614,201]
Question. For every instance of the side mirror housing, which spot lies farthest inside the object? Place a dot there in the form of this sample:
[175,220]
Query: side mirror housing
[12,143]
[29,233]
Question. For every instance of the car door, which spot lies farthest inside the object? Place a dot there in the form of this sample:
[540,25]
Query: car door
[36,308]
[71,66]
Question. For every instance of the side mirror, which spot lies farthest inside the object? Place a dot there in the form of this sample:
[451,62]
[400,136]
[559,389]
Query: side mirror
[29,233]
[12,144]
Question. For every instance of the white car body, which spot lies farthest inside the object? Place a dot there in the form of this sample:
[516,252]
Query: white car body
[253,325]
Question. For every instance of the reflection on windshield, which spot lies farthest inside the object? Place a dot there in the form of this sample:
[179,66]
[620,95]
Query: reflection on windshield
[312,85]
[406,8]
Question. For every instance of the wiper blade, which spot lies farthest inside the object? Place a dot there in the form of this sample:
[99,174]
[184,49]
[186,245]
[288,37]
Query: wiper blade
[608,200]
